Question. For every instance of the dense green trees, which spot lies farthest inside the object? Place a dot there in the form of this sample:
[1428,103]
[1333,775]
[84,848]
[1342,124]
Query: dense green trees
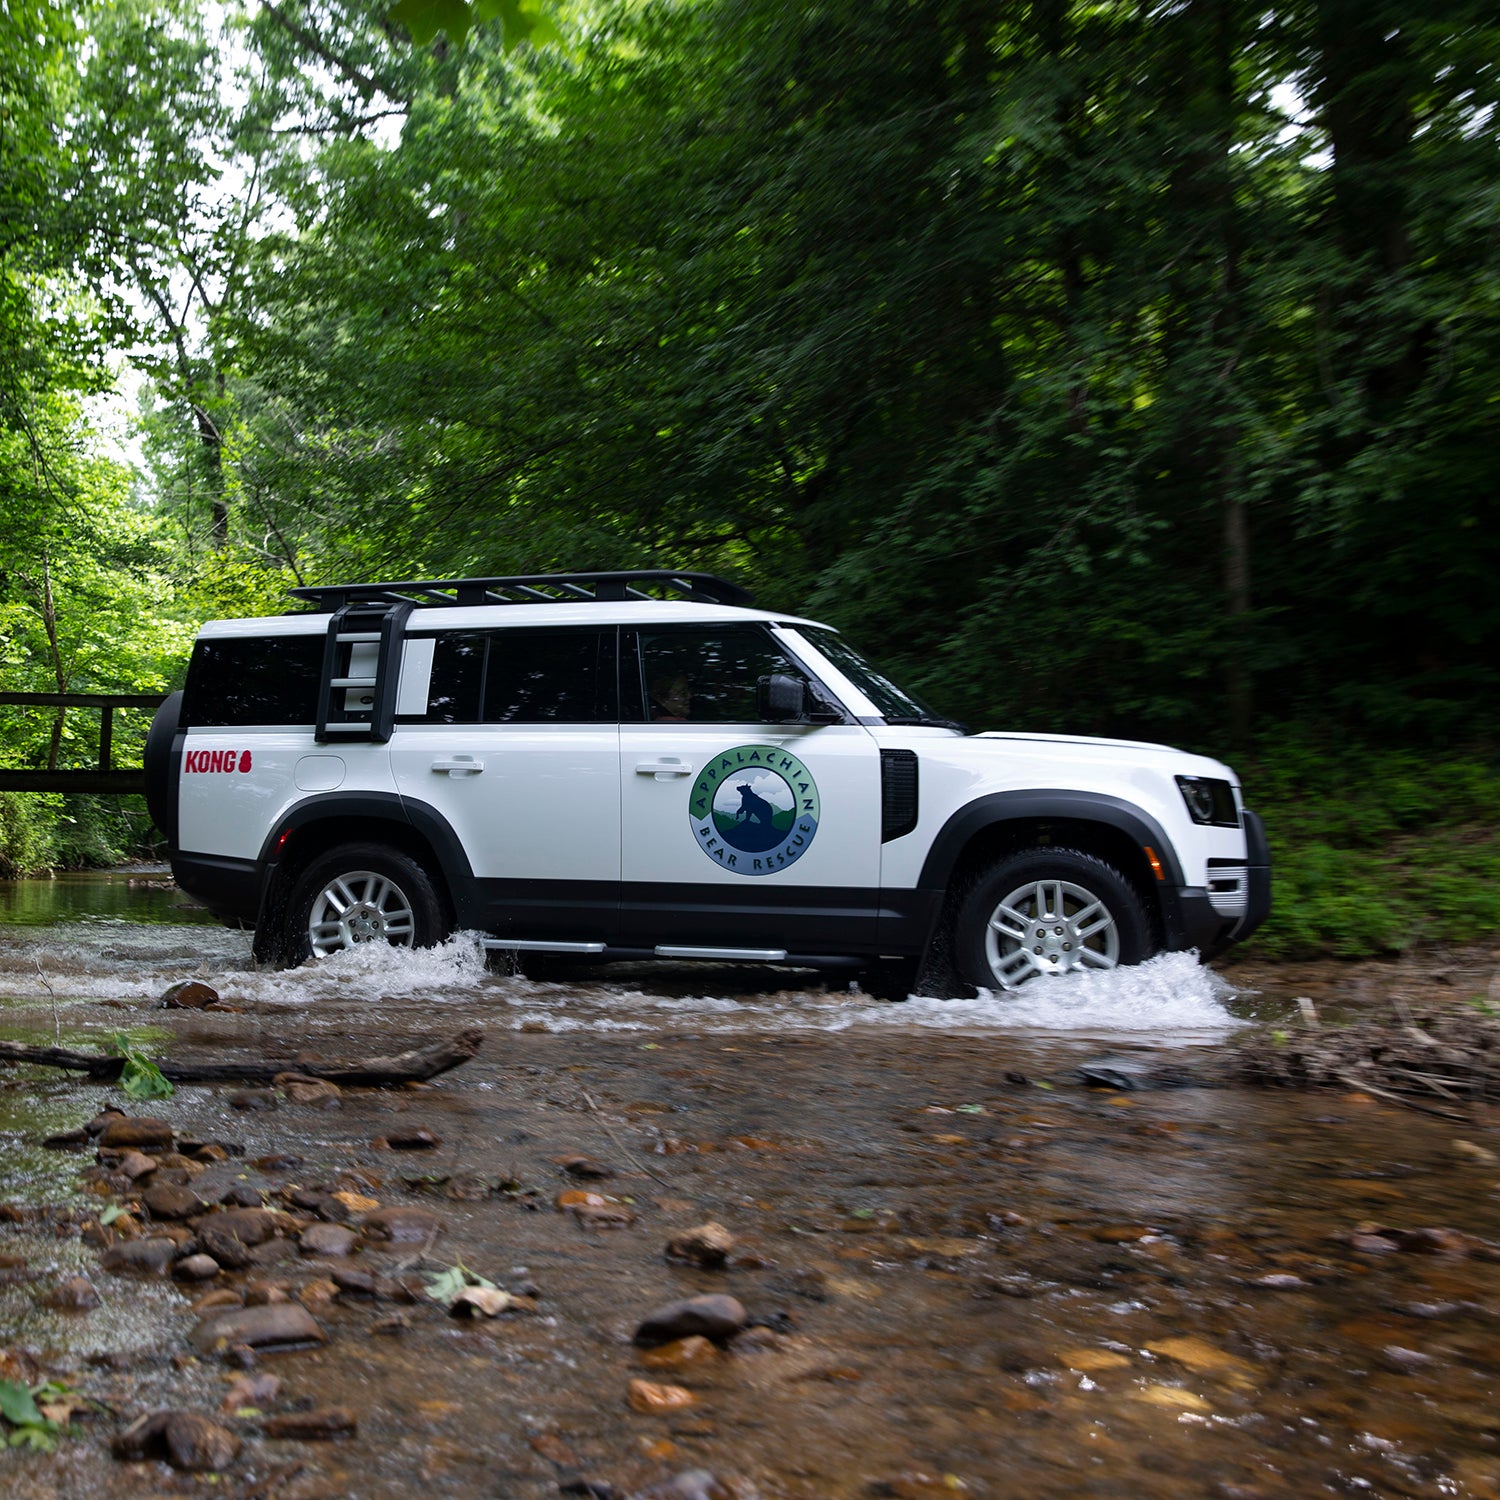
[1112,367]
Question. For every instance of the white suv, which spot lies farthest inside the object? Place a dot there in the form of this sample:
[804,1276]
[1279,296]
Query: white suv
[630,765]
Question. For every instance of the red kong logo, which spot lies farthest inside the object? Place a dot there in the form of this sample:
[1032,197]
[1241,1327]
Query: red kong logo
[216,760]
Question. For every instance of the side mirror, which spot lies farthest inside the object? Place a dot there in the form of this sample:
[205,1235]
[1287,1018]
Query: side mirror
[781,699]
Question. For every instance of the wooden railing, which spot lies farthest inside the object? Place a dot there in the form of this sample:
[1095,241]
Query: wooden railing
[104,777]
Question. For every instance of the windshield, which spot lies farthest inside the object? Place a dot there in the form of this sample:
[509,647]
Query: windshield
[895,704]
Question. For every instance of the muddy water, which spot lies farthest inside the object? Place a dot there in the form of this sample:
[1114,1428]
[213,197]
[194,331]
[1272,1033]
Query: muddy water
[979,1276]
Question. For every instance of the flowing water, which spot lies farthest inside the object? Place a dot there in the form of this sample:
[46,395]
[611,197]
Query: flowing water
[973,1275]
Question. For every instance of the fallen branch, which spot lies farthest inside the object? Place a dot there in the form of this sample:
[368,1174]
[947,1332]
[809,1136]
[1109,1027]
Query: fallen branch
[415,1066]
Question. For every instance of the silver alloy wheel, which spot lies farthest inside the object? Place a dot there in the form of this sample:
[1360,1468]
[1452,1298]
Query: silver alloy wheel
[360,906]
[1049,927]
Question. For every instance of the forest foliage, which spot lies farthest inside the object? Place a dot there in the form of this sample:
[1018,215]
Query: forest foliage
[1129,366]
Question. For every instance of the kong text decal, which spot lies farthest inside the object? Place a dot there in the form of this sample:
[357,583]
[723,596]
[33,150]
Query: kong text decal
[754,809]
[216,760]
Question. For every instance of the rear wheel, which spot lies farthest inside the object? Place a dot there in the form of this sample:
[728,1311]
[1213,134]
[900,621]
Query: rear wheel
[1048,912]
[361,893]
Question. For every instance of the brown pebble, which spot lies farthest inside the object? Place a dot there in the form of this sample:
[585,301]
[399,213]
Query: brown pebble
[706,1246]
[185,1439]
[136,1164]
[216,1300]
[327,1239]
[250,1390]
[188,994]
[715,1317]
[680,1353]
[76,1294]
[401,1226]
[168,1201]
[321,1424]
[140,1131]
[412,1140]
[153,1257]
[281,1323]
[196,1268]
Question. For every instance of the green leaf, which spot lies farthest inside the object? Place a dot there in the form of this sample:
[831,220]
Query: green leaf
[425,18]
[140,1077]
[17,1405]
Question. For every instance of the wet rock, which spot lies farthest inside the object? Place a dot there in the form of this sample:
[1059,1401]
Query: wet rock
[756,1340]
[1434,1241]
[188,994]
[168,1201]
[140,1131]
[393,1324]
[254,1099]
[322,1424]
[651,1399]
[715,1317]
[317,1293]
[553,1449]
[917,1485]
[206,1151]
[136,1164]
[703,1484]
[706,1246]
[679,1354]
[1470,1151]
[281,1162]
[1279,1281]
[412,1140]
[76,1294]
[300,1089]
[241,1195]
[151,1257]
[66,1140]
[217,1300]
[353,1282]
[1406,1361]
[585,1168]
[266,1293]
[1204,1358]
[327,1239]
[196,1268]
[402,1226]
[104,1117]
[602,1216]
[228,1249]
[250,1226]
[257,1327]
[184,1439]
[1372,1244]
[250,1391]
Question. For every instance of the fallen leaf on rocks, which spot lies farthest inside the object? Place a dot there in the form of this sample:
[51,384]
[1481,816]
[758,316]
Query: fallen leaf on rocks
[1204,1358]
[1174,1397]
[1091,1361]
[651,1399]
[480,1301]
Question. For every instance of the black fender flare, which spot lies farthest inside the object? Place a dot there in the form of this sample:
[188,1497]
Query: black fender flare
[383,807]
[1075,806]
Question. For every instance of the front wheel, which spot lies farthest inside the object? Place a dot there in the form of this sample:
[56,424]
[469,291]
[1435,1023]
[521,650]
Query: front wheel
[361,893]
[1048,912]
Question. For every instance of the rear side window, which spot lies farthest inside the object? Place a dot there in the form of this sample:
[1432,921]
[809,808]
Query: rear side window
[563,676]
[246,680]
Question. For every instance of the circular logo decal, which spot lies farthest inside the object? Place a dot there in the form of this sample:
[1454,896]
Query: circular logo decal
[754,809]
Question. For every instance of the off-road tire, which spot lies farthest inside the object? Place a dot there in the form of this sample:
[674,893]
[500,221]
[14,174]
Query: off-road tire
[422,919]
[1095,919]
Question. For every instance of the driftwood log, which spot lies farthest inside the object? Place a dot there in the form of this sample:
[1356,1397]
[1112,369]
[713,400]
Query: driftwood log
[371,1072]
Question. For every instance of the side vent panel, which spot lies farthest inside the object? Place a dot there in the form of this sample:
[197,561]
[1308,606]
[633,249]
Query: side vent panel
[898,793]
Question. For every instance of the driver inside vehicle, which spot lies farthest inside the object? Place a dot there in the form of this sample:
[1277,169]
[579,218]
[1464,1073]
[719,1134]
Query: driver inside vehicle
[671,699]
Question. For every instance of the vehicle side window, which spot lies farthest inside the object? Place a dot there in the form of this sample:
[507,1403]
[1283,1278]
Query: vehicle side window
[457,676]
[253,680]
[550,677]
[708,675]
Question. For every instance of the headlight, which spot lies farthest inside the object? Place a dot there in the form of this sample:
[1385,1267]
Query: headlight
[1209,801]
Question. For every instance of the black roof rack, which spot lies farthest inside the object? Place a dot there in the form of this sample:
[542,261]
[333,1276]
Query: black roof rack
[531,588]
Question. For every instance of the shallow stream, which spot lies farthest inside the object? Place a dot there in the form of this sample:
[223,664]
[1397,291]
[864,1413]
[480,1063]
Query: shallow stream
[975,1274]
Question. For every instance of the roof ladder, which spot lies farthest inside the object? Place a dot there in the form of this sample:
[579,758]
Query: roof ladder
[361,672]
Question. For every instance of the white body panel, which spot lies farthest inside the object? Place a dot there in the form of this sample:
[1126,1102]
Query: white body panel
[528,801]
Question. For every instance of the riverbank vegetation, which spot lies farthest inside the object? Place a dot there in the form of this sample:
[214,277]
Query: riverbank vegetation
[1121,368]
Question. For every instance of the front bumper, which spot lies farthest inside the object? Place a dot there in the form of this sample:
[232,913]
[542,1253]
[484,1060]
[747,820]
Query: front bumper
[1236,903]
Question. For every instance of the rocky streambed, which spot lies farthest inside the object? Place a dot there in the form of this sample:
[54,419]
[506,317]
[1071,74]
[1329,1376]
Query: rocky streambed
[667,1263]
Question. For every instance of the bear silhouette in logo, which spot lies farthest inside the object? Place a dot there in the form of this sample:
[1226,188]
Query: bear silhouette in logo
[753,808]
[750,827]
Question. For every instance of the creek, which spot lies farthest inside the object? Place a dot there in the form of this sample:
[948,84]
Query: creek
[972,1274]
